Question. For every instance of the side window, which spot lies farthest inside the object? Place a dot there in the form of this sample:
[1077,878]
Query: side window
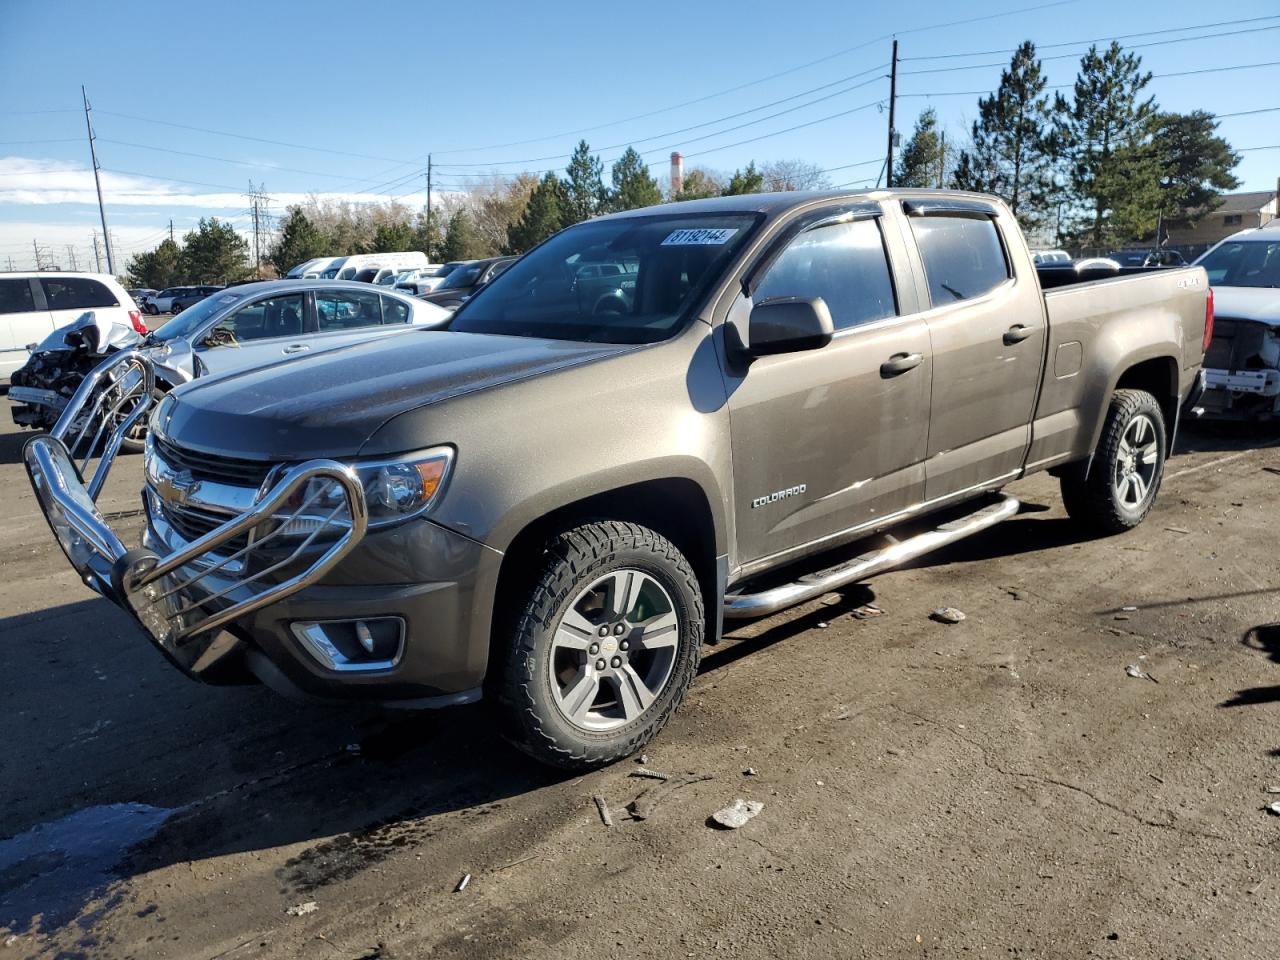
[963,257]
[845,264]
[15,296]
[394,311]
[274,317]
[347,309]
[77,293]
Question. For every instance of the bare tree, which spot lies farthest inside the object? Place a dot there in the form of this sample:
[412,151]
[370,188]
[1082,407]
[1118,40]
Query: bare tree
[780,175]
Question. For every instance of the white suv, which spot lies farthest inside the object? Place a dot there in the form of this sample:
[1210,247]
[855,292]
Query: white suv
[33,305]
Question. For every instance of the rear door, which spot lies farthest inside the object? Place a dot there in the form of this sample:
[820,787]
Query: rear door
[987,330]
[70,297]
[23,320]
[831,439]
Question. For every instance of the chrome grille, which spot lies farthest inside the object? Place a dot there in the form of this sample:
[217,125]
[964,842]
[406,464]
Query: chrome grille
[218,469]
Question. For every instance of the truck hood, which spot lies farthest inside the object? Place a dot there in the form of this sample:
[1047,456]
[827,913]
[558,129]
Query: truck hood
[329,404]
[1260,304]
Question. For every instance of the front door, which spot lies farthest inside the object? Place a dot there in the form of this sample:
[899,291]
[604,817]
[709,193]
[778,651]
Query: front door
[256,334]
[830,439]
[988,335]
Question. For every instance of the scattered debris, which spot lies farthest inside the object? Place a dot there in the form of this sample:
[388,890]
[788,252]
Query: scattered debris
[1135,671]
[1273,807]
[643,759]
[10,940]
[1113,936]
[302,909]
[750,772]
[1155,778]
[1272,788]
[1272,469]
[739,812]
[822,624]
[831,599]
[1122,616]
[649,774]
[867,611]
[462,884]
[1129,609]
[947,615]
[1177,529]
[643,806]
[604,810]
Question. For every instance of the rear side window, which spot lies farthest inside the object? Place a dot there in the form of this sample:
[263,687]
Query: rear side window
[77,293]
[963,257]
[347,309]
[394,311]
[15,297]
[844,263]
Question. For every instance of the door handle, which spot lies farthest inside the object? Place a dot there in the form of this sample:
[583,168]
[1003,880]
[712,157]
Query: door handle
[900,363]
[297,348]
[1016,334]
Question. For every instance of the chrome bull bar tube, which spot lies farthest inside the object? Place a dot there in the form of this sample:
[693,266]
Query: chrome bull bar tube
[121,390]
[296,532]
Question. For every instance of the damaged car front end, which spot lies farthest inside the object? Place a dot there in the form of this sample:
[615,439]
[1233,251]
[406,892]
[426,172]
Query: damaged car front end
[1242,361]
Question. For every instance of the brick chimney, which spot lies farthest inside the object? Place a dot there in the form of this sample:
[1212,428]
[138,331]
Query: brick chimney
[677,172]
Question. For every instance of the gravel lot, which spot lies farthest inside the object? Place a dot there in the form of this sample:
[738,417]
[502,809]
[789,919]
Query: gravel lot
[996,787]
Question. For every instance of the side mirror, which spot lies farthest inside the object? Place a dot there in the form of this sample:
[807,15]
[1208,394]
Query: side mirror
[789,324]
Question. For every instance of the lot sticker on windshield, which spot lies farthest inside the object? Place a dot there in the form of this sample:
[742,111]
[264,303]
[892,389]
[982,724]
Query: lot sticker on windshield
[705,236]
[229,298]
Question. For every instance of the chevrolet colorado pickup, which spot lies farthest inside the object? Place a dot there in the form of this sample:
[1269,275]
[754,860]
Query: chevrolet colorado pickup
[556,501]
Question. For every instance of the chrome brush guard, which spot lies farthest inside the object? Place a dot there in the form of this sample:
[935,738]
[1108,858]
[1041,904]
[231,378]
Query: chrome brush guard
[190,592]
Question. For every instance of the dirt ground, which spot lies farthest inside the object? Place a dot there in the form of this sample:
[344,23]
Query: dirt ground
[999,787]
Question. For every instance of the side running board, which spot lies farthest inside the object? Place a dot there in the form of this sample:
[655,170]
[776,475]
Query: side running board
[811,585]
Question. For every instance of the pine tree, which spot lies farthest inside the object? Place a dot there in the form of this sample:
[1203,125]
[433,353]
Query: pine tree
[749,180]
[214,253]
[1196,163]
[633,187]
[460,241]
[392,238]
[699,183]
[158,268]
[543,215]
[920,164]
[583,185]
[1104,132]
[299,241]
[1012,152]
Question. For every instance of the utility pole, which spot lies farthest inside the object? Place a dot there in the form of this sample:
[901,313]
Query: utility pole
[97,179]
[36,247]
[97,254]
[942,160]
[893,98]
[171,229]
[429,223]
[11,263]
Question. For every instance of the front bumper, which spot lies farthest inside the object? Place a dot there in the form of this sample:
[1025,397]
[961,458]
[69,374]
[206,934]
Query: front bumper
[1241,394]
[227,605]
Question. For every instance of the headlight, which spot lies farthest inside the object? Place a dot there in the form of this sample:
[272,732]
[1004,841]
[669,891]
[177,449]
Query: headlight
[394,490]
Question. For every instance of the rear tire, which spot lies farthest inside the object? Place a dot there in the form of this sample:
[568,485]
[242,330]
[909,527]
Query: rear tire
[1128,465]
[605,647]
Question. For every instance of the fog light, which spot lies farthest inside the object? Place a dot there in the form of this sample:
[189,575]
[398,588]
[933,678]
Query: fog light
[374,643]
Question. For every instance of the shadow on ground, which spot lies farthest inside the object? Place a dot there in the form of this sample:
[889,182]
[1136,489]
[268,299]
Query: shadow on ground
[100,729]
[1264,638]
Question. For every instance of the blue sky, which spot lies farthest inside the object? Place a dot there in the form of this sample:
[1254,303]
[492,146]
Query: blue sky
[363,92]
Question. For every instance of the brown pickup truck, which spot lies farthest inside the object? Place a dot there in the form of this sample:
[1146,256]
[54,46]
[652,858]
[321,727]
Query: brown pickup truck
[555,502]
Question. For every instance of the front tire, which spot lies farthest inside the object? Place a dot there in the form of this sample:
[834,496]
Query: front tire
[605,648]
[1127,467]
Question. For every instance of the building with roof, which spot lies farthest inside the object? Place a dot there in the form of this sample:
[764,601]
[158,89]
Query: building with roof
[1238,211]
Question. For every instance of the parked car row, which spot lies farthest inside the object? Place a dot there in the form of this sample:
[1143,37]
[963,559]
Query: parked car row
[654,421]
[176,299]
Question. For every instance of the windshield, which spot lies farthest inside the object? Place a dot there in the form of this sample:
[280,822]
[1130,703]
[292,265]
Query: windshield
[463,276]
[191,319]
[1244,263]
[628,280]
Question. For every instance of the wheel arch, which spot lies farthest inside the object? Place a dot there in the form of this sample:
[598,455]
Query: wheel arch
[676,507]
[1158,375]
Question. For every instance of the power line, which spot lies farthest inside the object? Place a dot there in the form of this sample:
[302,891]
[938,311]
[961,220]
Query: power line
[240,163]
[773,76]
[1121,36]
[1069,56]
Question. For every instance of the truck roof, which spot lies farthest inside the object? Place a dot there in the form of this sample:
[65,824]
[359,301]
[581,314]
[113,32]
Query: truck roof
[773,203]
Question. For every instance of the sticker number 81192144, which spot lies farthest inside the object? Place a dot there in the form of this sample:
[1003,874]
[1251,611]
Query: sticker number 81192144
[699,237]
